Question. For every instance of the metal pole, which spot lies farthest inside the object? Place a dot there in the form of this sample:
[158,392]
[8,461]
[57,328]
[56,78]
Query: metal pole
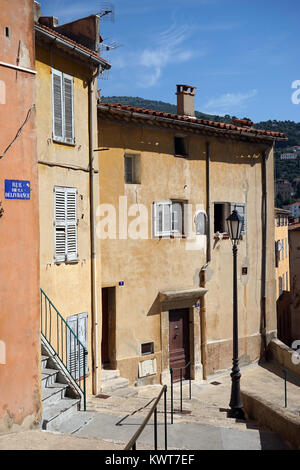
[285,389]
[235,404]
[84,384]
[155,428]
[166,422]
[134,446]
[172,405]
[181,390]
[190,384]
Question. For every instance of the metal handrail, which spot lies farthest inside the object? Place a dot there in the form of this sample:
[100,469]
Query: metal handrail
[172,390]
[132,443]
[286,373]
[59,343]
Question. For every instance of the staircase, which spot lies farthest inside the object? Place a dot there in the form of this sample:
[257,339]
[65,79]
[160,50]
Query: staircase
[60,399]
[114,385]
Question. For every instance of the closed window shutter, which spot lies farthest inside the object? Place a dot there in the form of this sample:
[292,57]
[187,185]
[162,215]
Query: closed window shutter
[167,218]
[68,108]
[75,362]
[83,337]
[57,104]
[71,222]
[60,224]
[72,348]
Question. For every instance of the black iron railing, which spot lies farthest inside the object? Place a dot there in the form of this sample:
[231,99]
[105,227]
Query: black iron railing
[188,365]
[153,411]
[287,373]
[65,343]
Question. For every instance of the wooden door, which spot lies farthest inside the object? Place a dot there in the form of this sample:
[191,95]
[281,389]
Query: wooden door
[105,329]
[179,344]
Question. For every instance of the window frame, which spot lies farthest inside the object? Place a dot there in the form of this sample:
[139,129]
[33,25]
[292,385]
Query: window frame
[171,233]
[185,145]
[135,159]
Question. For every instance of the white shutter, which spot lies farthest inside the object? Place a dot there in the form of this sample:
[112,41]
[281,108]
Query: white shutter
[60,224]
[71,222]
[72,365]
[79,325]
[57,105]
[162,219]
[68,109]
[177,225]
[83,337]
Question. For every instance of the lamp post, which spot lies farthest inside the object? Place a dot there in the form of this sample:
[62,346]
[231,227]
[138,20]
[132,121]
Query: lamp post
[235,224]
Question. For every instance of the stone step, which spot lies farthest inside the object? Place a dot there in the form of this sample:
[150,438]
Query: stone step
[56,413]
[49,377]
[114,384]
[125,392]
[53,393]
[75,422]
[44,360]
[108,374]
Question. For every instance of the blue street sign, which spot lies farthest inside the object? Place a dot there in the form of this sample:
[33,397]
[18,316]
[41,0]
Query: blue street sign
[16,189]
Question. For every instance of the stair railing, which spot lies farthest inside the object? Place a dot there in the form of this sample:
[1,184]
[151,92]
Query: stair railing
[287,373]
[188,365]
[131,445]
[65,343]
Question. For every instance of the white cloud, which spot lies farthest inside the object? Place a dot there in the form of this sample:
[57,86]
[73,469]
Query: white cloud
[229,102]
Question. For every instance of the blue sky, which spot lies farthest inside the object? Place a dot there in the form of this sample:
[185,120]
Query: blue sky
[242,56]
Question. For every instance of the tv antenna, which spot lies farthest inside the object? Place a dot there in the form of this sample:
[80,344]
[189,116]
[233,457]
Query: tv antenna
[107,11]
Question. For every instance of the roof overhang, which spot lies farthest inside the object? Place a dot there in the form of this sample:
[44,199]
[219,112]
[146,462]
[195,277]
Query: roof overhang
[71,47]
[151,119]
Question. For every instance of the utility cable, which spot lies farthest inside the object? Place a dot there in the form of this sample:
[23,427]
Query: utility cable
[19,131]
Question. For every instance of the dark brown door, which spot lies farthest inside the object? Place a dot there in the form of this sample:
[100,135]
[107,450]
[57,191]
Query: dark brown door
[179,345]
[105,329]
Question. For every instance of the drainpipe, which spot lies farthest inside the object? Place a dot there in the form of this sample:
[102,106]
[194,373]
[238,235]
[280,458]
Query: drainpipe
[95,358]
[203,269]
[264,211]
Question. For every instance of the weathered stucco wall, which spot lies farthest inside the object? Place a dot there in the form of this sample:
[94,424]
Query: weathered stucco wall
[20,397]
[151,265]
[68,285]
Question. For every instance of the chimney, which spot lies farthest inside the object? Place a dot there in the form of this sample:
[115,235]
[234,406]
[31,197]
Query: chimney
[50,21]
[185,100]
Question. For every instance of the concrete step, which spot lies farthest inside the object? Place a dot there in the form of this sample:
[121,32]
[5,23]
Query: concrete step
[53,393]
[49,377]
[44,360]
[108,374]
[126,392]
[114,384]
[75,422]
[54,414]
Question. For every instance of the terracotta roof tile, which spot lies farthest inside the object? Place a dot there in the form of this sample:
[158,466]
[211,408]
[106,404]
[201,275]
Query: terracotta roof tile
[70,41]
[220,125]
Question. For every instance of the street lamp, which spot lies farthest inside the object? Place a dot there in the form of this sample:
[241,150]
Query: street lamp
[235,223]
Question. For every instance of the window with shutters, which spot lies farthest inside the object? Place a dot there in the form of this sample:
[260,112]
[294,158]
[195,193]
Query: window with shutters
[65,224]
[168,218]
[75,352]
[132,168]
[62,107]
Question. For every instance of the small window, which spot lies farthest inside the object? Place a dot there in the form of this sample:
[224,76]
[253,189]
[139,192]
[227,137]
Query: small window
[200,223]
[132,170]
[7,32]
[147,348]
[223,210]
[180,146]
